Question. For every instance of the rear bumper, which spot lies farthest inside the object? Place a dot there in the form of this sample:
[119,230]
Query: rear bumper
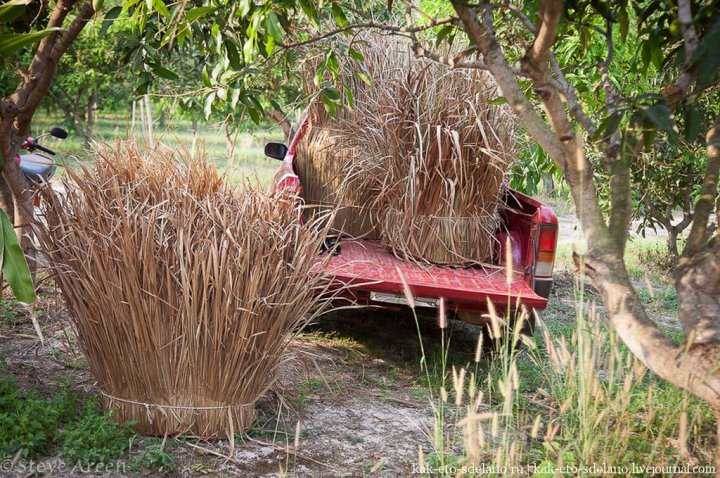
[368,274]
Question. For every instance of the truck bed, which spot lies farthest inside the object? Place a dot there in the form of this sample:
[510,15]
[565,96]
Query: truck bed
[375,274]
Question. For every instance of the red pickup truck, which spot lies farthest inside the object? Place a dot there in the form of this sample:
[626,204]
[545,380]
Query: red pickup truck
[373,273]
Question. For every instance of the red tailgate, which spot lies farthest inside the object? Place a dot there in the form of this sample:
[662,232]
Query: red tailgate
[370,268]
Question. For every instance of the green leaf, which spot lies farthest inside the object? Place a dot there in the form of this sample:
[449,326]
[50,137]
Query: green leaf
[443,33]
[163,72]
[608,126]
[308,8]
[339,15]
[254,115]
[11,10]
[248,49]
[205,77]
[330,106]
[244,7]
[659,116]
[98,4]
[110,17]
[208,105]
[356,55]
[500,100]
[693,121]
[160,7]
[269,46]
[348,97]
[366,79]
[624,21]
[332,65]
[331,93]
[10,43]
[198,12]
[273,26]
[645,56]
[276,106]
[14,266]
[232,54]
[234,97]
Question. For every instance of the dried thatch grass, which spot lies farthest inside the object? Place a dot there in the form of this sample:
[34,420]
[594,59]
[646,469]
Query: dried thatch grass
[184,293]
[427,150]
[320,169]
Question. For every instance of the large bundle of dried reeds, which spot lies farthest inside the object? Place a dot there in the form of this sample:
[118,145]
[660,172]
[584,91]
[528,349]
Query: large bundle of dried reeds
[428,148]
[184,292]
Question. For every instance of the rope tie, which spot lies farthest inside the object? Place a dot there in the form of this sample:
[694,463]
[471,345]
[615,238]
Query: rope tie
[148,406]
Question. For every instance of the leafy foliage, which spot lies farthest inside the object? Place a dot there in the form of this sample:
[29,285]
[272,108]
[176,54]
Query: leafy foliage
[95,438]
[33,426]
[154,458]
[29,423]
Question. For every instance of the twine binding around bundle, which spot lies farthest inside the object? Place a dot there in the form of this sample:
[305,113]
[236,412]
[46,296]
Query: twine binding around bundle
[204,421]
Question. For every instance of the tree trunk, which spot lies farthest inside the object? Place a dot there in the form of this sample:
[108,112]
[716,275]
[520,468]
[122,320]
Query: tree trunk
[283,122]
[132,119]
[231,142]
[149,119]
[548,184]
[6,199]
[24,214]
[194,136]
[90,122]
[672,245]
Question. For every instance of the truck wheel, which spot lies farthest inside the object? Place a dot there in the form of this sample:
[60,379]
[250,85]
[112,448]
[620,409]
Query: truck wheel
[492,343]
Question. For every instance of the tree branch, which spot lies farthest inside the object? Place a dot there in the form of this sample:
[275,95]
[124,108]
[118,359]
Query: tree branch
[679,89]
[687,28]
[372,26]
[549,20]
[423,52]
[568,91]
[620,181]
[708,195]
[503,74]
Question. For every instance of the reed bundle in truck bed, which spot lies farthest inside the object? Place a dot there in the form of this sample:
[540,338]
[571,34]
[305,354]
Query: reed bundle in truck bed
[184,292]
[427,147]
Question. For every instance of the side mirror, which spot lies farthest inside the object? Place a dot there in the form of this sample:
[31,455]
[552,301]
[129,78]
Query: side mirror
[58,132]
[275,150]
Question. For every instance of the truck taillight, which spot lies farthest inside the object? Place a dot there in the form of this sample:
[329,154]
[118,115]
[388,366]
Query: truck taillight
[545,255]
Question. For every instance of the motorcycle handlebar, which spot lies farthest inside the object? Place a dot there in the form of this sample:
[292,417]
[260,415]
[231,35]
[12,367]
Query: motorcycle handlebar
[44,149]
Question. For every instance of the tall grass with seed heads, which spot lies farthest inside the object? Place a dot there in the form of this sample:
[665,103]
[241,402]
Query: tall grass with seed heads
[184,291]
[595,410]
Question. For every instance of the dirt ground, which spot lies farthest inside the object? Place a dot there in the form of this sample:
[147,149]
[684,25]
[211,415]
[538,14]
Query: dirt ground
[351,381]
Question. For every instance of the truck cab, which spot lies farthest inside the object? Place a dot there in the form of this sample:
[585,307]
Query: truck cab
[369,274]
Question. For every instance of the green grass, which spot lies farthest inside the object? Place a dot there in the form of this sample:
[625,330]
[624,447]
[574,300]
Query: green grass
[248,158]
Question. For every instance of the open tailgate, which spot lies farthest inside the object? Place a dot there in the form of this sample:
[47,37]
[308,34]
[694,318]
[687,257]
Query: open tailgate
[372,271]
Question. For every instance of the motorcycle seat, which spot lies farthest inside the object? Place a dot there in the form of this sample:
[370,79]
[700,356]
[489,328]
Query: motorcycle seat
[37,167]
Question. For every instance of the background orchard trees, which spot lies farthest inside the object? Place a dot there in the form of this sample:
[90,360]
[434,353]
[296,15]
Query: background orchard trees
[90,78]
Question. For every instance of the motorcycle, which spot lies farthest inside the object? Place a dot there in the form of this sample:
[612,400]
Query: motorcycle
[39,168]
